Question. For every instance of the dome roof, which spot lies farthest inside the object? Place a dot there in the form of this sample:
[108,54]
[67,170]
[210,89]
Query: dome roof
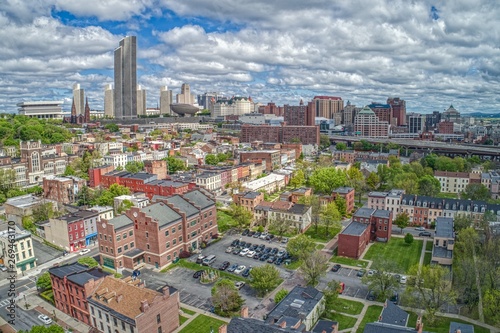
[183,109]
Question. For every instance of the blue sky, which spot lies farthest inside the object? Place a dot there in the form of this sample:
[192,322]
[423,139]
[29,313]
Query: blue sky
[430,53]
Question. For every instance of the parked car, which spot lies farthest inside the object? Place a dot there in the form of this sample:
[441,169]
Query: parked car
[371,272]
[425,234]
[281,253]
[197,274]
[260,248]
[240,269]
[279,261]
[244,252]
[250,254]
[371,296]
[254,247]
[224,265]
[243,245]
[84,251]
[274,251]
[257,235]
[270,237]
[264,257]
[232,268]
[263,235]
[403,279]
[284,240]
[200,258]
[267,250]
[420,228]
[44,319]
[257,255]
[247,271]
[395,298]
[3,268]
[251,233]
[336,268]
[361,273]
[230,249]
[236,242]
[237,250]
[245,232]
[397,277]
[239,284]
[270,259]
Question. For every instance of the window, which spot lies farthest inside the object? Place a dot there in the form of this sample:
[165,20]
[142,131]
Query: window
[123,325]
[131,329]
[115,321]
[105,237]
[131,245]
[180,239]
[147,246]
[147,234]
[107,318]
[158,319]
[159,329]
[119,250]
[118,238]
[130,233]
[100,236]
[174,241]
[107,249]
[173,230]
[167,245]
[166,233]
[69,228]
[125,247]
[100,314]
[124,235]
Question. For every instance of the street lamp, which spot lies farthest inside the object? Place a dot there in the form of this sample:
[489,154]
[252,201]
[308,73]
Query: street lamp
[25,302]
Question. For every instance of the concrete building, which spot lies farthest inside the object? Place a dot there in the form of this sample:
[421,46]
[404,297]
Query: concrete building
[62,189]
[18,207]
[234,106]
[127,306]
[210,181]
[41,109]
[416,122]
[185,97]
[328,107]
[367,124]
[137,200]
[109,110]
[444,241]
[125,92]
[383,112]
[141,101]
[269,184]
[451,114]
[272,108]
[398,110]
[452,182]
[166,98]
[20,241]
[79,99]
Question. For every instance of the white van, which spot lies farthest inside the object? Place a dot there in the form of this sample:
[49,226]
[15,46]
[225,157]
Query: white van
[209,260]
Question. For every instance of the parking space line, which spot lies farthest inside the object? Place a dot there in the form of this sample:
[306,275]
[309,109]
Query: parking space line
[350,272]
[356,293]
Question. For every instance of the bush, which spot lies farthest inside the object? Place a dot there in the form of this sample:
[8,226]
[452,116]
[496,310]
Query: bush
[215,236]
[184,254]
[408,238]
[280,295]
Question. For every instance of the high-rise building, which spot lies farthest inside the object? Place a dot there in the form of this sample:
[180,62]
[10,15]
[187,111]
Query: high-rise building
[383,112]
[185,97]
[235,106]
[398,110]
[300,115]
[207,100]
[86,115]
[328,107]
[125,95]
[367,124]
[166,98]
[416,122]
[108,101]
[349,114]
[78,98]
[272,108]
[141,101]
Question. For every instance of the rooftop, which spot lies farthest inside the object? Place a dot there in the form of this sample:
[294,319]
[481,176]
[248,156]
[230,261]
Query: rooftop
[120,221]
[354,228]
[444,227]
[162,213]
[364,212]
[65,270]
[83,277]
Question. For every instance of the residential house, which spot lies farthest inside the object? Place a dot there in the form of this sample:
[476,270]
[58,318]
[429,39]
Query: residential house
[444,241]
[20,241]
[249,200]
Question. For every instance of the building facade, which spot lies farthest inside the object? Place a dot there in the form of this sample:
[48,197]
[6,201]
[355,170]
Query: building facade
[62,189]
[125,92]
[21,242]
[367,124]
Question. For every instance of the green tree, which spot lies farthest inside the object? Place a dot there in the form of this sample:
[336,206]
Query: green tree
[88,261]
[341,146]
[324,141]
[476,192]
[330,217]
[113,128]
[43,212]
[85,197]
[298,179]
[279,225]
[265,278]
[341,205]
[300,246]
[211,159]
[373,181]
[313,267]
[240,215]
[69,171]
[221,157]
[27,222]
[124,206]
[325,180]
[408,238]
[402,220]
[225,298]
[174,164]
[428,185]
[280,295]
[43,282]
[461,222]
[382,281]
[331,293]
[134,166]
[45,329]
[107,196]
[313,201]
[356,180]
[492,305]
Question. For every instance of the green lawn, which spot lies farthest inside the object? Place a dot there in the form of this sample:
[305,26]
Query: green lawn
[225,221]
[189,312]
[320,246]
[445,195]
[347,306]
[372,314]
[428,245]
[427,258]
[321,235]
[443,324]
[294,265]
[349,261]
[344,321]
[396,251]
[182,320]
[202,323]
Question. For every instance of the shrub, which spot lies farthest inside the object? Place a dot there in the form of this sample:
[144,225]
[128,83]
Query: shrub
[215,236]
[280,295]
[408,238]
[184,254]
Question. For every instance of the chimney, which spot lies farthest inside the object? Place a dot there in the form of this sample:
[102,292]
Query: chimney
[223,329]
[244,312]
[420,326]
[144,306]
[283,324]
[166,291]
[119,298]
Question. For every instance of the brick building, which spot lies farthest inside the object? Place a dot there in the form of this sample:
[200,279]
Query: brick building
[353,240]
[95,174]
[249,200]
[158,168]
[280,134]
[445,127]
[300,115]
[62,189]
[72,284]
[272,108]
[272,157]
[367,124]
[127,306]
[329,107]
[157,234]
[348,194]
[383,112]
[398,110]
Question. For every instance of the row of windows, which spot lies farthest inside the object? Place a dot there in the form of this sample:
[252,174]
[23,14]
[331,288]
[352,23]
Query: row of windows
[119,250]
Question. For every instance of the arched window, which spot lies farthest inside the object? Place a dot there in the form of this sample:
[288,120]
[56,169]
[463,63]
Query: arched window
[35,161]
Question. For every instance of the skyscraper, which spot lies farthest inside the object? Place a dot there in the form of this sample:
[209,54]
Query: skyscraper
[185,96]
[109,101]
[398,110]
[141,101]
[166,98]
[78,98]
[125,101]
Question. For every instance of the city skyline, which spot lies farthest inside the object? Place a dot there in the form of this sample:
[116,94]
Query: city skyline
[431,55]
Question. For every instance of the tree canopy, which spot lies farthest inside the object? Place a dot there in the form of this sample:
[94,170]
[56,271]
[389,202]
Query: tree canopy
[325,180]
[174,164]
[265,278]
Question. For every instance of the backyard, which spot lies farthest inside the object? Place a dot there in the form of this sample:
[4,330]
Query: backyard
[225,221]
[372,314]
[349,261]
[396,251]
[203,323]
[321,234]
[442,325]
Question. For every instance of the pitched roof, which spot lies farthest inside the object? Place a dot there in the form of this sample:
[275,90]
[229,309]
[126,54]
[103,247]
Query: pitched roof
[251,325]
[178,202]
[163,213]
[393,314]
[120,221]
[199,199]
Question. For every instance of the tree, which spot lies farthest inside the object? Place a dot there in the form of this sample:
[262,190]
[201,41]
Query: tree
[298,179]
[402,220]
[331,293]
[27,222]
[88,261]
[124,206]
[492,305]
[112,127]
[300,246]
[240,215]
[408,238]
[314,266]
[461,222]
[325,180]
[428,185]
[69,171]
[107,196]
[43,212]
[382,281]
[43,282]
[476,192]
[85,197]
[324,141]
[356,180]
[341,146]
[280,295]
[313,201]
[174,164]
[330,217]
[279,225]
[225,298]
[341,205]
[44,329]
[134,166]
[373,181]
[211,159]
[265,278]
[429,286]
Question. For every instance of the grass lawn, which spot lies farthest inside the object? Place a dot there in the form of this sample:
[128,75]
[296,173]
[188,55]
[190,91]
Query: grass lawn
[344,321]
[396,251]
[347,306]
[349,261]
[202,323]
[445,195]
[321,236]
[225,221]
[189,312]
[294,265]
[428,245]
[372,314]
[320,246]
[427,258]
[442,325]
[182,320]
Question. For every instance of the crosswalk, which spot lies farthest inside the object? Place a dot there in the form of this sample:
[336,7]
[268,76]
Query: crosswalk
[4,303]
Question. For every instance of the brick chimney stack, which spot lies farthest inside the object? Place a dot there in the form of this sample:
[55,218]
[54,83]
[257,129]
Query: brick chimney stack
[244,312]
[223,329]
[420,326]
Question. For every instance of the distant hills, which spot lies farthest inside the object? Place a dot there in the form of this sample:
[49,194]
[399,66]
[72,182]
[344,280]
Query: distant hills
[482,115]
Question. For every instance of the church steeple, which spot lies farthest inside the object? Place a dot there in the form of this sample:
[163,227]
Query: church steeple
[73,113]
[87,111]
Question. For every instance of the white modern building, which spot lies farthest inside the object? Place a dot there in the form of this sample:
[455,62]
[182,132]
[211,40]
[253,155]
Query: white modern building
[41,109]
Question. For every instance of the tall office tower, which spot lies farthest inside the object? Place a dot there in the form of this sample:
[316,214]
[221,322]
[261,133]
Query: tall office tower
[416,122]
[383,112]
[78,98]
[125,96]
[185,96]
[367,124]
[166,98]
[329,107]
[207,100]
[141,101]
[349,114]
[300,115]
[398,110]
[108,101]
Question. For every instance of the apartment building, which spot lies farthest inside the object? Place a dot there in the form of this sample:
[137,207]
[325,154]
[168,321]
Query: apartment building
[444,241]
[367,124]
[249,200]
[128,306]
[348,194]
[272,158]
[452,182]
[298,215]
[158,233]
[210,181]
[21,242]
[270,184]
[62,189]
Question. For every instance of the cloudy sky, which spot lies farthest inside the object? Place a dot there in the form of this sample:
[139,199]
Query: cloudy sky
[430,53]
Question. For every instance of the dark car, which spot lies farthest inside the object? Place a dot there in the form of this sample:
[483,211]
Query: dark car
[260,248]
[237,250]
[235,243]
[251,233]
[267,250]
[245,232]
[197,274]
[232,268]
[278,261]
[270,237]
[360,273]
[224,265]
[371,296]
[271,259]
[274,250]
[256,235]
[246,272]
[395,298]
[336,268]
[425,234]
[256,256]
[264,257]
[242,245]
[254,247]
